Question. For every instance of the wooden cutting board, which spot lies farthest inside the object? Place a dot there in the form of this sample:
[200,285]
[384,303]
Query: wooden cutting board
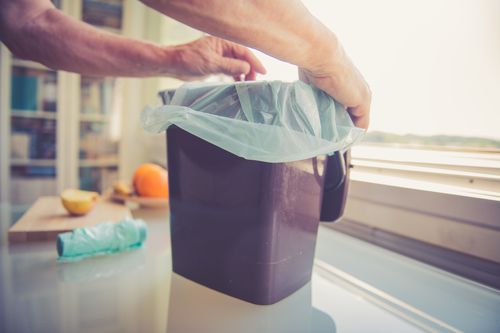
[47,218]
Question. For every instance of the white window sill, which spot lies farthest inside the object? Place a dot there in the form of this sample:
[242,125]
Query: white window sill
[454,172]
[449,200]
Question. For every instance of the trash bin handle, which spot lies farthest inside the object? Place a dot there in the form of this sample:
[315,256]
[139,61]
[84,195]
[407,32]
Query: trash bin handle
[335,186]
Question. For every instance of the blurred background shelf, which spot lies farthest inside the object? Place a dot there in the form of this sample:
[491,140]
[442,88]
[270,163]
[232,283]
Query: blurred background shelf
[96,178]
[108,29]
[102,162]
[63,130]
[28,64]
[94,118]
[32,162]
[59,129]
[34,114]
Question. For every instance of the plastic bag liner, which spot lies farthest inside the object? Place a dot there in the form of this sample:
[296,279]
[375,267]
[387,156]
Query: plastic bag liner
[265,121]
[103,238]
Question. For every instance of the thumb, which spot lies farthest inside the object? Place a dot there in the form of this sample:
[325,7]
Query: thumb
[303,76]
[233,67]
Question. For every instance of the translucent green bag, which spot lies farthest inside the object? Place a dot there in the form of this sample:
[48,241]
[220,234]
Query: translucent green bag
[103,238]
[264,121]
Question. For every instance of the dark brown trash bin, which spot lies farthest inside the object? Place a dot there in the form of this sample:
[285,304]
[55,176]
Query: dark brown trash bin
[248,228]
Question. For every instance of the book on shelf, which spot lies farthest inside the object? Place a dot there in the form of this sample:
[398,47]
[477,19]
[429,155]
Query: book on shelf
[40,171]
[96,95]
[48,93]
[103,13]
[24,92]
[33,138]
[107,89]
[97,178]
[33,90]
[96,142]
[90,96]
[20,145]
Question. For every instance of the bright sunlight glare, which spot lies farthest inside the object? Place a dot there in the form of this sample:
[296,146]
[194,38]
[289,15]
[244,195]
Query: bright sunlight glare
[433,65]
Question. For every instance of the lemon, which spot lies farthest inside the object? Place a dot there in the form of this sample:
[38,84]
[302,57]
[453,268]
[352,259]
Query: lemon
[78,202]
[122,188]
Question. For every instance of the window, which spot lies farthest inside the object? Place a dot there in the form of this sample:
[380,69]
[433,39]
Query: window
[433,66]
[426,179]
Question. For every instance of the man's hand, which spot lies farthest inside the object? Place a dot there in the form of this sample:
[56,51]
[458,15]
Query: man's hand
[337,76]
[211,55]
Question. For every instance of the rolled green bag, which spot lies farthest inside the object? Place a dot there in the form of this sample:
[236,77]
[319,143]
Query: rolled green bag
[104,238]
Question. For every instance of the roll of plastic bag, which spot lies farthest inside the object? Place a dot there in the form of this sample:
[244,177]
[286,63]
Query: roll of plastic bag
[265,121]
[104,238]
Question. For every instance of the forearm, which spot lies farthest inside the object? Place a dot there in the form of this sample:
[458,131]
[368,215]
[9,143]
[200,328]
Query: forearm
[281,28]
[60,42]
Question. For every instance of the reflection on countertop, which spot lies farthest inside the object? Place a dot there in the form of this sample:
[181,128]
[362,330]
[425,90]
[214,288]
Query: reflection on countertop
[195,308]
[136,291]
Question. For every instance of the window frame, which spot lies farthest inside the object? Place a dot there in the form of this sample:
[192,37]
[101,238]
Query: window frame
[438,211]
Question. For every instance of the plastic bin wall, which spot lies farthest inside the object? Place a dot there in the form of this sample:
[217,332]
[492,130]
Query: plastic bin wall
[245,228]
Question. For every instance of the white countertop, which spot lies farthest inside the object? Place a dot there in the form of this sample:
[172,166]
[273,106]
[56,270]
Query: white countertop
[137,292]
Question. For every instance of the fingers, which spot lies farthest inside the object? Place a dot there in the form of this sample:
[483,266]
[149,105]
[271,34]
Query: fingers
[303,76]
[243,53]
[355,94]
[236,51]
[252,75]
[360,116]
[240,69]
[234,67]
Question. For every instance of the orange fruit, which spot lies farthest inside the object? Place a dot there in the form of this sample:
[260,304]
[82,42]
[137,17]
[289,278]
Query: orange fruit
[141,170]
[151,180]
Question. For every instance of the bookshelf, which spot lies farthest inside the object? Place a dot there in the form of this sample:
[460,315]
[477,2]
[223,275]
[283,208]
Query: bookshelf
[99,114]
[58,129]
[33,121]
[86,111]
[33,114]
